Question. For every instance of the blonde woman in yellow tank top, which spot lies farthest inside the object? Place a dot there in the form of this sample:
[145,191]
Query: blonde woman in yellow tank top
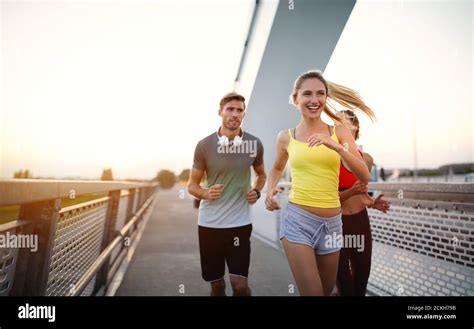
[315,149]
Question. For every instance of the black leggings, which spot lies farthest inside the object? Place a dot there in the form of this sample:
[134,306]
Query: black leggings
[354,266]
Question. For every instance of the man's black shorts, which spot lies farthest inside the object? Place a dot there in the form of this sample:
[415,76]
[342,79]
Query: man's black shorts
[220,245]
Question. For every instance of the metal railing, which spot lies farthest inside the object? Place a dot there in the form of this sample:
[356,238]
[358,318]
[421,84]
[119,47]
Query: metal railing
[77,249]
[423,246]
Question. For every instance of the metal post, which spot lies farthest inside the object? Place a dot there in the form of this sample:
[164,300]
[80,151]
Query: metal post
[131,204]
[140,197]
[109,235]
[31,276]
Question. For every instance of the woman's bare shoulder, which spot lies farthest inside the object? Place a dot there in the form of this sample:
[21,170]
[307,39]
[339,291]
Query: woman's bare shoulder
[283,137]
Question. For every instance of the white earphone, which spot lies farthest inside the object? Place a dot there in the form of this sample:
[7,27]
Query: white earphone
[224,140]
[238,140]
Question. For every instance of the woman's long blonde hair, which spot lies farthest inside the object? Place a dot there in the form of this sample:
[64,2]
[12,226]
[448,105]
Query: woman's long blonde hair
[346,97]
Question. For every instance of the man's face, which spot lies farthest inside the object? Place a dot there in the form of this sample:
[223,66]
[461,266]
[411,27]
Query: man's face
[232,114]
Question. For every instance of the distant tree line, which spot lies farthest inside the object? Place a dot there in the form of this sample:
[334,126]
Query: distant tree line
[457,169]
[22,174]
[166,178]
[107,174]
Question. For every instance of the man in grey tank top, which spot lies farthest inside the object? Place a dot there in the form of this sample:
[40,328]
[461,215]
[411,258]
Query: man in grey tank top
[224,223]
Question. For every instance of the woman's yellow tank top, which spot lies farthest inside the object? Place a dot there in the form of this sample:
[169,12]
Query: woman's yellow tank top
[314,173]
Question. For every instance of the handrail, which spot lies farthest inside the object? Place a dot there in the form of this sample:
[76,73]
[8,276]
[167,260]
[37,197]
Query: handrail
[445,192]
[13,224]
[84,204]
[95,267]
[450,187]
[20,191]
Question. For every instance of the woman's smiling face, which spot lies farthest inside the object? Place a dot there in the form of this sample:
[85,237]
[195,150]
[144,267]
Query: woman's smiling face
[311,98]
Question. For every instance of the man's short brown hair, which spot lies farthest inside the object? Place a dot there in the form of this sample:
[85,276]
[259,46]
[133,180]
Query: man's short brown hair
[231,97]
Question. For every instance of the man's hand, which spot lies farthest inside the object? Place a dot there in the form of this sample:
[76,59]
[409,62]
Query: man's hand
[214,192]
[252,196]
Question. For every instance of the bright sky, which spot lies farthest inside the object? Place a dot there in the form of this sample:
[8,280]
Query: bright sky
[131,86]
[411,58]
[134,85]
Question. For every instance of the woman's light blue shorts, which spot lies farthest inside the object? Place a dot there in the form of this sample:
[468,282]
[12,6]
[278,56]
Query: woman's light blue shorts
[323,234]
